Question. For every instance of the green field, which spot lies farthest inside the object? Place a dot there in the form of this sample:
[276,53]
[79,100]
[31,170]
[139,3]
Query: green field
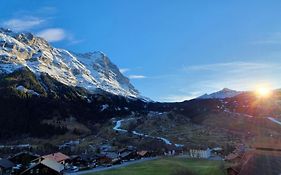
[169,166]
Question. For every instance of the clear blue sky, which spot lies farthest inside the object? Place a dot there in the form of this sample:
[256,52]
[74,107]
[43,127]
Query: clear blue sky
[172,50]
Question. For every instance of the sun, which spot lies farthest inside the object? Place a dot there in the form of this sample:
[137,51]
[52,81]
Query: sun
[263,92]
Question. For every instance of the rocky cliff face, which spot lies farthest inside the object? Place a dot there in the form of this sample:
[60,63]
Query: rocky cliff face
[92,71]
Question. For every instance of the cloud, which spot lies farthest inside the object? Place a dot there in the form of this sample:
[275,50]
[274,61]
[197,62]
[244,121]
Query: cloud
[124,70]
[53,34]
[181,96]
[177,98]
[273,38]
[137,76]
[231,66]
[25,23]
[234,75]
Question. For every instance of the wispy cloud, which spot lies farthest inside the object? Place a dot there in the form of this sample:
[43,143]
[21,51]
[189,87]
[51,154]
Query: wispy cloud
[124,70]
[53,34]
[179,98]
[234,75]
[137,76]
[232,66]
[39,21]
[272,38]
[132,76]
[24,23]
[176,98]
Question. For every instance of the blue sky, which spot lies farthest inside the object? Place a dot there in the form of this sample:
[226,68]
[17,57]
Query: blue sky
[171,50]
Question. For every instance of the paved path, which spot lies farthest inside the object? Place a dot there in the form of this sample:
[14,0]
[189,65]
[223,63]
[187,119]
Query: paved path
[94,170]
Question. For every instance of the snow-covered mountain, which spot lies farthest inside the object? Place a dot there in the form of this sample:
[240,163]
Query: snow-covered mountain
[91,71]
[224,93]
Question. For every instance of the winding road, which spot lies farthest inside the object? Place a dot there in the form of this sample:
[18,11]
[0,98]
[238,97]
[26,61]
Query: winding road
[118,125]
[274,120]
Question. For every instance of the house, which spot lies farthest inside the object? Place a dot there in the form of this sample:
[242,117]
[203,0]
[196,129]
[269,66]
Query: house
[200,153]
[113,156]
[6,166]
[58,157]
[45,167]
[128,155]
[107,158]
[127,149]
[23,158]
[143,153]
[83,160]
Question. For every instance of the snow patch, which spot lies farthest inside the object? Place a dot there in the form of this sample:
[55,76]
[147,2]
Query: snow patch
[104,107]
[28,91]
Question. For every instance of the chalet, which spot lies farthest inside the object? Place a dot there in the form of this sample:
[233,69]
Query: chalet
[128,155]
[45,167]
[83,160]
[127,149]
[6,166]
[113,156]
[58,157]
[200,153]
[23,158]
[142,154]
[107,158]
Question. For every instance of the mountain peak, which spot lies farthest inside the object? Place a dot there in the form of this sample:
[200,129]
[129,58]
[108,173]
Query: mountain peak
[224,93]
[92,70]
[227,89]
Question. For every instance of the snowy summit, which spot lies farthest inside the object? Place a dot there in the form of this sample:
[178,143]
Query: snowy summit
[91,71]
[224,93]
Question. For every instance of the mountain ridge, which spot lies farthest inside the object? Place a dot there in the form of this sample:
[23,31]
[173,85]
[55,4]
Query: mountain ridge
[224,93]
[92,70]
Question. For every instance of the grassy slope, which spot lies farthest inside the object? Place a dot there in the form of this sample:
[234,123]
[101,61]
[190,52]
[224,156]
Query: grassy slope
[168,167]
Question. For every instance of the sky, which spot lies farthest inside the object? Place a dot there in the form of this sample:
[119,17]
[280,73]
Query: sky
[170,50]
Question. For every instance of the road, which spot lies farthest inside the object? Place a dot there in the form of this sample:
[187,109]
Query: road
[118,125]
[94,170]
[274,120]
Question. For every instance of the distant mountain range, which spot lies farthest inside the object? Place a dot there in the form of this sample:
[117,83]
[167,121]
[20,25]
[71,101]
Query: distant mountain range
[224,93]
[43,88]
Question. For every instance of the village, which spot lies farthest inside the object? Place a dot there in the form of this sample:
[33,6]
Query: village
[27,162]
[24,159]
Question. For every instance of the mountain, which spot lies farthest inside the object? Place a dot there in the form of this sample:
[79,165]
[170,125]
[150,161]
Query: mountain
[224,93]
[46,91]
[93,71]
[40,106]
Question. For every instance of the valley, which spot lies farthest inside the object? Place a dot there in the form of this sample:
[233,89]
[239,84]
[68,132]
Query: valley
[81,108]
